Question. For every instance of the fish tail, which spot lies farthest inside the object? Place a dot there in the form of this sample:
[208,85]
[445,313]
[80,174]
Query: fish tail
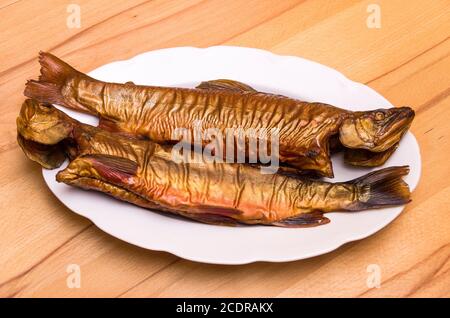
[380,188]
[54,75]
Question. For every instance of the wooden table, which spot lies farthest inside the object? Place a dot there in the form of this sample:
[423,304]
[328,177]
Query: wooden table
[406,59]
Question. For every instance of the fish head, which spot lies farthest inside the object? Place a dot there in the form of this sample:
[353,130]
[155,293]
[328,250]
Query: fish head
[376,130]
[43,123]
[41,128]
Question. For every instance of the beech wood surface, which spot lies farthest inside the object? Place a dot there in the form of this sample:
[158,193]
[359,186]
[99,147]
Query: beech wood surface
[406,60]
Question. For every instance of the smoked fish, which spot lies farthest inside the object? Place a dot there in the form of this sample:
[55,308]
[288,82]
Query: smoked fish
[144,173]
[367,137]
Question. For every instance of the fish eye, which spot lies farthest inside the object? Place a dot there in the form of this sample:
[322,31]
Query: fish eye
[379,116]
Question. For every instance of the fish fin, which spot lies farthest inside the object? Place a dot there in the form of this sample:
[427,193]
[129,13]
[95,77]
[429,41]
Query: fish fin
[218,210]
[226,84]
[211,218]
[316,159]
[212,214]
[44,92]
[108,125]
[384,187]
[367,158]
[112,168]
[54,75]
[310,219]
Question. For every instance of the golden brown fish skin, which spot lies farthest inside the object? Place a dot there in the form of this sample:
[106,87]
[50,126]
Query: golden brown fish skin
[231,190]
[235,191]
[144,173]
[155,113]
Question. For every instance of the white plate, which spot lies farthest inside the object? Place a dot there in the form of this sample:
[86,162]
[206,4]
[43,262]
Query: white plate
[288,75]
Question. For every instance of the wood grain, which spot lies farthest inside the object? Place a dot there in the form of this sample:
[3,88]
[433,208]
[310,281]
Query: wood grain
[407,60]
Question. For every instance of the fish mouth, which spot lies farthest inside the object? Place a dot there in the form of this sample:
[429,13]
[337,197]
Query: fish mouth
[367,158]
[48,156]
[394,129]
